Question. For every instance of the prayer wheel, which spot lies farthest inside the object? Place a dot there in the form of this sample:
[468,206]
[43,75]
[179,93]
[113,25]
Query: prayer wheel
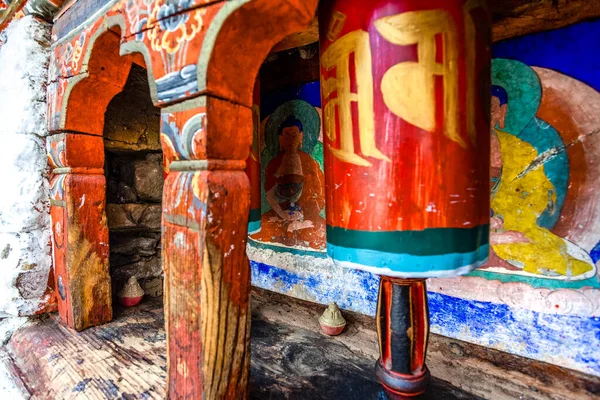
[405,88]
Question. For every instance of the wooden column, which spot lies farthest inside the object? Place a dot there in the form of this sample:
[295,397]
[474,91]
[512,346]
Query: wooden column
[80,232]
[207,277]
[206,199]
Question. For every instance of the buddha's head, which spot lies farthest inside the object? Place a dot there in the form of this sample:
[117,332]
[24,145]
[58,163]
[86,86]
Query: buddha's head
[290,135]
[499,107]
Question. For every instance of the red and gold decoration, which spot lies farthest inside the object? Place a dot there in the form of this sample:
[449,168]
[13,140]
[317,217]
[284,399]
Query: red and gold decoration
[405,89]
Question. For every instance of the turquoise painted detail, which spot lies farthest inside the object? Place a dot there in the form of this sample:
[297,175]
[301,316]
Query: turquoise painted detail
[537,281]
[253,226]
[285,249]
[408,263]
[544,137]
[254,214]
[425,242]
[303,111]
[317,155]
[524,92]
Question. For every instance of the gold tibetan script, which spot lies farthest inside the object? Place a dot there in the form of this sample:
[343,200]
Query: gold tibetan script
[409,87]
[338,55]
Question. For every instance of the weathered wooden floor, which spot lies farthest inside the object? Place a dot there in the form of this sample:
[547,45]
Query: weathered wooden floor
[291,359]
[126,359]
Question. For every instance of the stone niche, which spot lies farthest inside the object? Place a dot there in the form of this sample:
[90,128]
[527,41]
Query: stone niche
[134,184]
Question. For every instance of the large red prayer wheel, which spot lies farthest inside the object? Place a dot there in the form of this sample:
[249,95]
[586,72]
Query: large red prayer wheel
[405,88]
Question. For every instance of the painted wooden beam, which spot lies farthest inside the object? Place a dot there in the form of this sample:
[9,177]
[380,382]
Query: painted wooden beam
[521,17]
[302,38]
[510,18]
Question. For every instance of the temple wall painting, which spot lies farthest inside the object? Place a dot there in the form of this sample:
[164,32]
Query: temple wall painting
[539,294]
[292,175]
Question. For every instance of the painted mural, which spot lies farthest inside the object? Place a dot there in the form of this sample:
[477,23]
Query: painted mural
[292,178]
[539,294]
[545,216]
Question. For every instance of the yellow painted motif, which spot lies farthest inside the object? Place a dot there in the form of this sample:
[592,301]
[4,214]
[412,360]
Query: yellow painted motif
[520,200]
[338,56]
[409,87]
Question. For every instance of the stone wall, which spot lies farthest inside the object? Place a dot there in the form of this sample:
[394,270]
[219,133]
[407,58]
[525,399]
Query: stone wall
[134,181]
[25,229]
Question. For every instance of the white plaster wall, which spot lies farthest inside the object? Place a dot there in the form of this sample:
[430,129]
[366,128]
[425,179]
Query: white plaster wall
[25,228]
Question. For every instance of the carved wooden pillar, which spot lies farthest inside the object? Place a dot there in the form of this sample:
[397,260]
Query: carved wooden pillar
[81,84]
[207,277]
[206,141]
[405,87]
[80,232]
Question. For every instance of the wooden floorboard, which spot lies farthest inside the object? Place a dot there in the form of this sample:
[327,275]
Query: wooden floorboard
[291,359]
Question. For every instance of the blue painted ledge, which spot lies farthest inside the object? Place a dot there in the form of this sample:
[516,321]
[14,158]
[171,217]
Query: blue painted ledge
[569,341]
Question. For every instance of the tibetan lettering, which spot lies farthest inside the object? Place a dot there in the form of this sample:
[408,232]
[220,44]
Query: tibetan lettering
[408,88]
[338,56]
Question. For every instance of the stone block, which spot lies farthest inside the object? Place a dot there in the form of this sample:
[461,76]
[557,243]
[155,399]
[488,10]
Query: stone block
[146,267]
[25,264]
[153,287]
[32,284]
[24,205]
[126,193]
[134,216]
[149,178]
[141,245]
[24,68]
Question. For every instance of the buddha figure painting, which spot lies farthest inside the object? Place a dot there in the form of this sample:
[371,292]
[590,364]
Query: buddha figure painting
[293,191]
[544,219]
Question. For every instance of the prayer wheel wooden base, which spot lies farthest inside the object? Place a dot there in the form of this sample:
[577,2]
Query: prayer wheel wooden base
[403,330]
